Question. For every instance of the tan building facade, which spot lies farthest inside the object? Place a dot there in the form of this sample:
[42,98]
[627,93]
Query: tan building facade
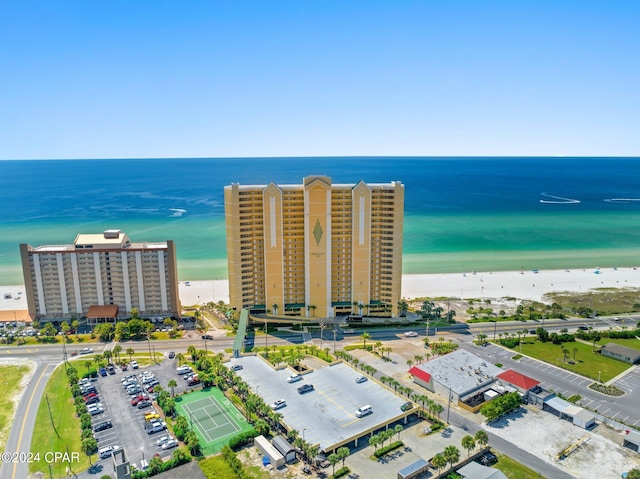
[64,281]
[317,249]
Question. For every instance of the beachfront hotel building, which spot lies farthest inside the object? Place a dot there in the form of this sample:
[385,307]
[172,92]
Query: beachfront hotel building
[101,277]
[315,249]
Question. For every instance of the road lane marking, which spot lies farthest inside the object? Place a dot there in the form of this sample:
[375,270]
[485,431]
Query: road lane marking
[24,421]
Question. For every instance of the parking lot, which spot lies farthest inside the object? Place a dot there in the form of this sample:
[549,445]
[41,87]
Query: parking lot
[128,421]
[326,415]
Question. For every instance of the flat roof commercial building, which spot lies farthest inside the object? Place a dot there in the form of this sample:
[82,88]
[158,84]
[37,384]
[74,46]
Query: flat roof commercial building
[317,249]
[457,375]
[65,281]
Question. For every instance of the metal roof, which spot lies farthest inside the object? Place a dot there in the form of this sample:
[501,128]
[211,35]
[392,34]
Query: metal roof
[461,370]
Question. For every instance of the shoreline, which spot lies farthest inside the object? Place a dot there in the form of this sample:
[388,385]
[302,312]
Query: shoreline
[526,284]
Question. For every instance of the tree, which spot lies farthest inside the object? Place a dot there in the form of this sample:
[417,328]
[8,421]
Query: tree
[333,459]
[117,349]
[482,438]
[439,462]
[469,443]
[172,384]
[565,351]
[87,364]
[364,337]
[452,454]
[398,429]
[74,324]
[192,442]
[107,355]
[374,441]
[89,447]
[633,474]
[130,352]
[343,453]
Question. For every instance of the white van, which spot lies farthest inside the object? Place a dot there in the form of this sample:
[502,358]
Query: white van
[363,411]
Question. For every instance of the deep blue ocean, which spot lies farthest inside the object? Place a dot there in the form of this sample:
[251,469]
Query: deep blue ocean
[461,214]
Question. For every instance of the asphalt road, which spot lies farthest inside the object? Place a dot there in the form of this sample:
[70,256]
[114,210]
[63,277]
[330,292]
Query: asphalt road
[19,440]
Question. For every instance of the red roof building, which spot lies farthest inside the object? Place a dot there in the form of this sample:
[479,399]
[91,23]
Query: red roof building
[418,373]
[520,381]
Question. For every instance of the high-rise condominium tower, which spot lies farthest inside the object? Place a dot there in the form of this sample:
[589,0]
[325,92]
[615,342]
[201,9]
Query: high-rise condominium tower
[317,249]
[98,270]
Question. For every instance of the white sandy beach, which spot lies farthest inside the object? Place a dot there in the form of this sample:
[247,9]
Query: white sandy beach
[497,284]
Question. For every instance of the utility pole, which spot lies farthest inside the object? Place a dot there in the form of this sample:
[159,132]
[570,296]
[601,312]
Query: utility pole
[53,425]
[449,404]
[495,326]
[335,331]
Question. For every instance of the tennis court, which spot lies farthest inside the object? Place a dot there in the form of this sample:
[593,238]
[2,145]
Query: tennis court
[213,418]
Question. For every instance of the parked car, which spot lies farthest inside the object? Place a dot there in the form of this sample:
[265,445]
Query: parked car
[169,444]
[111,369]
[361,379]
[102,426]
[294,378]
[172,355]
[134,364]
[193,381]
[103,372]
[305,388]
[155,427]
[144,404]
[162,440]
[237,367]
[92,400]
[406,406]
[183,370]
[280,403]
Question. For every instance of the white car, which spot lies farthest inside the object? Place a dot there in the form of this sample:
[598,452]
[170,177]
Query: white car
[86,351]
[162,440]
[410,334]
[280,403]
[134,364]
[294,378]
[169,444]
[361,379]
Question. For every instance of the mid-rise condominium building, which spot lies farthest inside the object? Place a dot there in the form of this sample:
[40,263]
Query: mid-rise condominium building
[103,276]
[317,249]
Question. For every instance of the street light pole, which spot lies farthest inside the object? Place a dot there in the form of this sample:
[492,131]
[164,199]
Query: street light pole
[335,331]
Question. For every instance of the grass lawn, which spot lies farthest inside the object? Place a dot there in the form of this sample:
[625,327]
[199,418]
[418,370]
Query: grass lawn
[10,377]
[630,343]
[67,424]
[586,362]
[515,470]
[215,467]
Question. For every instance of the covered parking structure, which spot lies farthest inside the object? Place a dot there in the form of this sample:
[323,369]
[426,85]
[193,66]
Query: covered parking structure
[631,439]
[325,416]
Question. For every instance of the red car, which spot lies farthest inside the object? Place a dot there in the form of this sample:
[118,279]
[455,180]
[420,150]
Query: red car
[89,396]
[136,400]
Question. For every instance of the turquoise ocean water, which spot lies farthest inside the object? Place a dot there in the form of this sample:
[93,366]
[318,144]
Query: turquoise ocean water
[461,214]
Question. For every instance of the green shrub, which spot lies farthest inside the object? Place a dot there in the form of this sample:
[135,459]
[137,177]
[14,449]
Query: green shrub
[391,447]
[343,471]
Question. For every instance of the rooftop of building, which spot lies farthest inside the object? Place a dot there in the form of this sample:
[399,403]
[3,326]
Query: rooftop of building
[460,370]
[518,379]
[108,239]
[621,350]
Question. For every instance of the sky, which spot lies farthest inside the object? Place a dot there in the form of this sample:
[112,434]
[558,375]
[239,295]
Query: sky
[152,79]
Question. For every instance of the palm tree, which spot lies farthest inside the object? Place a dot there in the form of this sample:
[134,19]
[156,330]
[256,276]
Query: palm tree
[333,459]
[274,306]
[117,349]
[452,454]
[575,350]
[398,429]
[172,384]
[439,462]
[180,358]
[482,438]
[374,441]
[377,346]
[364,337]
[343,453]
[87,364]
[130,352]
[74,324]
[469,443]
[107,355]
[565,351]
